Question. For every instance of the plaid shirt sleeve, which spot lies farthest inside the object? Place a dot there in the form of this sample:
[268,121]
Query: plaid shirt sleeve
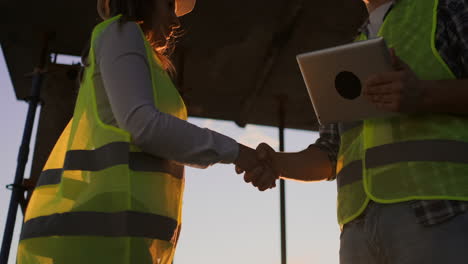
[329,142]
[452,35]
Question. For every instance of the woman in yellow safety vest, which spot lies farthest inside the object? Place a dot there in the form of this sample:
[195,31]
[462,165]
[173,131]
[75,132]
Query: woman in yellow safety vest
[112,187]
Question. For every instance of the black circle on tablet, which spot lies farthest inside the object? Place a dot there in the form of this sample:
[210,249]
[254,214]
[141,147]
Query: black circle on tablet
[348,85]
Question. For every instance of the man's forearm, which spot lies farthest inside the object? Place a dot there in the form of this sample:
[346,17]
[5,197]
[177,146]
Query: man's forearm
[446,96]
[309,165]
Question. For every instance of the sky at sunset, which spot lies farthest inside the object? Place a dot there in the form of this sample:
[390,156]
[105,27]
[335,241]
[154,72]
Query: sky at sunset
[225,220]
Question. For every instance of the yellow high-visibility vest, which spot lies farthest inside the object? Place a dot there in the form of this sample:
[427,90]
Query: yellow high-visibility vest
[100,199]
[408,156]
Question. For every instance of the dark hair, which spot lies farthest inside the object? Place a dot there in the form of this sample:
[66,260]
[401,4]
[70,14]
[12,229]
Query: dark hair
[140,12]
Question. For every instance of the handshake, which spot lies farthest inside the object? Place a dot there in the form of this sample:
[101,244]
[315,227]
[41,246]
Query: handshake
[260,166]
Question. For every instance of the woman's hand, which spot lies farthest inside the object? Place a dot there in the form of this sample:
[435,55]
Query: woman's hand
[396,91]
[246,159]
[258,169]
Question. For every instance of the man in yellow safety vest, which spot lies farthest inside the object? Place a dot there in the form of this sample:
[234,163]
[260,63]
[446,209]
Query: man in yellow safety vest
[402,181]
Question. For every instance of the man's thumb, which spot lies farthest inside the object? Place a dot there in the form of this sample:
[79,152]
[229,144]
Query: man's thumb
[264,151]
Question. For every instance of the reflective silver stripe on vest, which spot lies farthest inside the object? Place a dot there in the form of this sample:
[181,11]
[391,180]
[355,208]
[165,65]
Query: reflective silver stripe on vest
[422,150]
[107,156]
[343,127]
[49,177]
[117,153]
[350,173]
[408,151]
[119,224]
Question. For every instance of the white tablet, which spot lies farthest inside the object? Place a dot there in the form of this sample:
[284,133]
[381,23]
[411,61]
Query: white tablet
[335,77]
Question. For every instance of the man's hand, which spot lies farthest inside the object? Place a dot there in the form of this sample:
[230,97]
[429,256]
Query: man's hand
[397,91]
[262,176]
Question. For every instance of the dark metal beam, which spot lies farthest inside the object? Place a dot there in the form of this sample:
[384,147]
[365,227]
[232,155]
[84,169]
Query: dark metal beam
[282,124]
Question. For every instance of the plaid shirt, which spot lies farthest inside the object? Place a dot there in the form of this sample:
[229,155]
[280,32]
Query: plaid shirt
[452,44]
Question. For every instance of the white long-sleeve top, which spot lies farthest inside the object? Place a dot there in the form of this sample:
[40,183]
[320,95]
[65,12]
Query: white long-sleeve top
[125,99]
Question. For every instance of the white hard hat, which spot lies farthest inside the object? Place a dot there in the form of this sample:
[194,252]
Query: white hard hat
[183,7]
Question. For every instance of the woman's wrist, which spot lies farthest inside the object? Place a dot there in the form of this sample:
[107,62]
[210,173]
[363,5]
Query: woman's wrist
[246,158]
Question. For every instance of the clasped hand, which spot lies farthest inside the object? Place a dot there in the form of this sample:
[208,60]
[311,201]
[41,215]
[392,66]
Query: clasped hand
[258,166]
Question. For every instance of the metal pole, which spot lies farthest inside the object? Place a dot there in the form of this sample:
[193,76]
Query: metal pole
[281,127]
[17,187]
